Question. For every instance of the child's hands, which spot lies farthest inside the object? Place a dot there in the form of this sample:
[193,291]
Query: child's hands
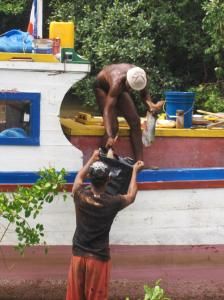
[138,165]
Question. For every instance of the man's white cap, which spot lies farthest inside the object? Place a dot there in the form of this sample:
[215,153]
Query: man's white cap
[136,78]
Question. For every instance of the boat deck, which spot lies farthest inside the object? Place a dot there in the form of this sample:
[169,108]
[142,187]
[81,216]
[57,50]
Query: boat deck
[172,148]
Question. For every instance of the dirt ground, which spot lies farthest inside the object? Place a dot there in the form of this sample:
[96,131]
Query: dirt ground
[119,290]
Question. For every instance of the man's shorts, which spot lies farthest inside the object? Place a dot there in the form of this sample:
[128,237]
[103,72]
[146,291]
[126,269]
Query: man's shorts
[88,279]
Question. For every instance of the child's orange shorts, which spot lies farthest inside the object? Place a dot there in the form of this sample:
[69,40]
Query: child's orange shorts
[88,279]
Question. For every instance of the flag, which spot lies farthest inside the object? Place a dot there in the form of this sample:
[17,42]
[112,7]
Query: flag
[32,26]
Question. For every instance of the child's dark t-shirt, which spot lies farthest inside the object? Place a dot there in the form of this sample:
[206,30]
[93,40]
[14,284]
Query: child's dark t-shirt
[94,217]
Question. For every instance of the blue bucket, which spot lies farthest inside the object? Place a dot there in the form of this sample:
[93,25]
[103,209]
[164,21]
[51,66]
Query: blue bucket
[180,101]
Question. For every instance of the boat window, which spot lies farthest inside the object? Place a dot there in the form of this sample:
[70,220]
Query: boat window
[19,118]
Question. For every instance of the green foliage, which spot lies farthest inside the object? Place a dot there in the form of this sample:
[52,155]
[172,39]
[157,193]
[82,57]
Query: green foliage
[9,7]
[110,40]
[153,293]
[14,14]
[84,90]
[26,203]
[210,97]
[213,24]
[163,37]
[178,43]
[62,11]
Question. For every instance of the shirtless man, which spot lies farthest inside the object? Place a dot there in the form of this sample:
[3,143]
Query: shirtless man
[113,87]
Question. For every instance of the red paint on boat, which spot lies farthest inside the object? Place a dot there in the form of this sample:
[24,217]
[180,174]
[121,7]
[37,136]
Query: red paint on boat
[187,272]
[144,186]
[169,185]
[165,152]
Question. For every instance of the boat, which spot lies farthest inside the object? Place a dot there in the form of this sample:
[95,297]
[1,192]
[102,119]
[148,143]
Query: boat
[173,231]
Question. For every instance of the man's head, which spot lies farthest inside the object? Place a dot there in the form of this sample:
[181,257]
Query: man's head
[99,173]
[136,78]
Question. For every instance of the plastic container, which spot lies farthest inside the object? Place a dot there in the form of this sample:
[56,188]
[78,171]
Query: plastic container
[56,46]
[180,101]
[43,46]
[179,118]
[65,31]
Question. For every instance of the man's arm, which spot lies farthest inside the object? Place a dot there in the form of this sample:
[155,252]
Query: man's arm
[80,177]
[132,189]
[151,106]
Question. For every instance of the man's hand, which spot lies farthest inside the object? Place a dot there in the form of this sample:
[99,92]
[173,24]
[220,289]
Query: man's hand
[138,166]
[155,108]
[110,142]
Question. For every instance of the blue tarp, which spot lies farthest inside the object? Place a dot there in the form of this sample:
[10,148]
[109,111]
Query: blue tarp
[16,41]
[13,132]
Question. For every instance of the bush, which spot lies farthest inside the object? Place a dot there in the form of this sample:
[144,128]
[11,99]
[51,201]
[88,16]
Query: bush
[27,202]
[158,36]
[154,293]
[210,97]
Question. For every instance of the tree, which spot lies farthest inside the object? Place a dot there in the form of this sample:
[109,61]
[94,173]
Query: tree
[14,14]
[177,42]
[213,24]
[210,95]
[163,37]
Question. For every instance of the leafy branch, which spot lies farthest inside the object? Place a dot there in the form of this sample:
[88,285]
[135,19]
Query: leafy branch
[154,293]
[26,203]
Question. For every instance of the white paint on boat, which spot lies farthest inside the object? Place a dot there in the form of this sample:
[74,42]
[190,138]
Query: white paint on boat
[52,80]
[160,217]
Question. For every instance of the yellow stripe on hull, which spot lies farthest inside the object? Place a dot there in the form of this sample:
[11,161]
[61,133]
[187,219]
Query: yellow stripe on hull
[35,57]
[93,126]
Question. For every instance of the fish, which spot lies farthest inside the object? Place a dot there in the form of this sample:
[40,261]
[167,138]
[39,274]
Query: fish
[110,153]
[149,128]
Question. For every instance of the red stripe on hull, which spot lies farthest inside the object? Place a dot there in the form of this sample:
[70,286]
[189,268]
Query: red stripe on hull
[187,272]
[144,186]
[165,152]
[169,185]
[12,187]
